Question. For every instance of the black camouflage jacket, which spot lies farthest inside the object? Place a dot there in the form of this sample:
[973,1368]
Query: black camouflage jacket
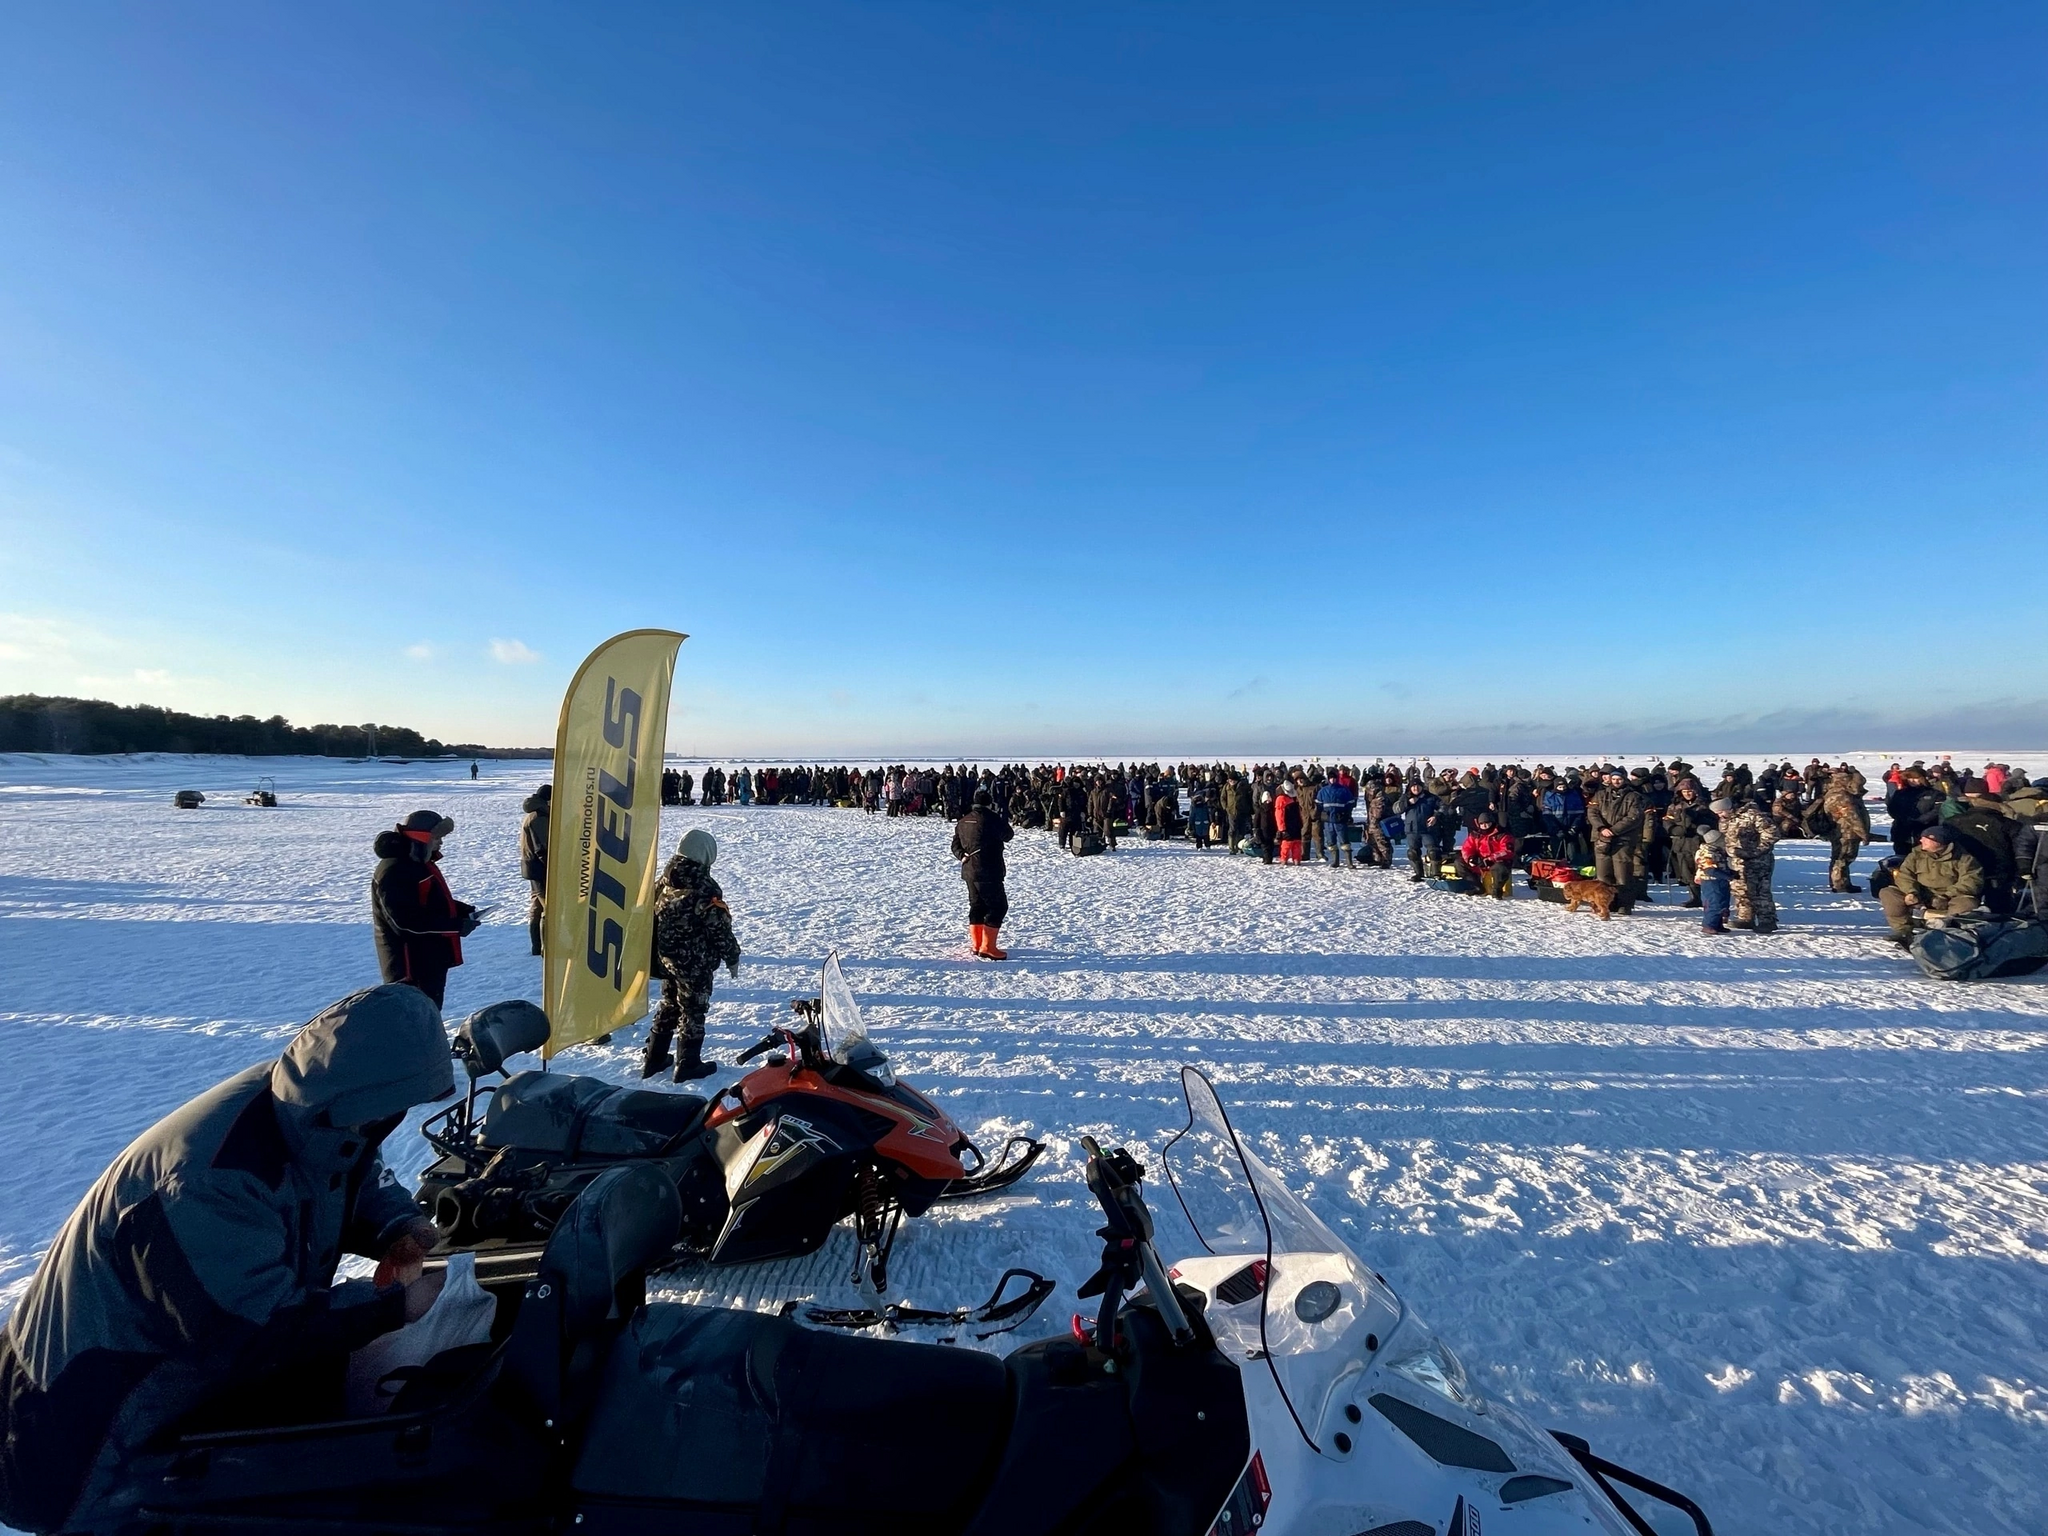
[692,925]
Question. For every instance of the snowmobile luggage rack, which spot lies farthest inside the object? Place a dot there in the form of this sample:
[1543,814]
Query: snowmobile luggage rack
[265,793]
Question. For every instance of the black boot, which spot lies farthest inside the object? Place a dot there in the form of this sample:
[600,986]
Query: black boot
[656,1058]
[693,1065]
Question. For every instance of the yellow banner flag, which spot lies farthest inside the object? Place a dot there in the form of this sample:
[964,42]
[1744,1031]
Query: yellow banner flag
[597,934]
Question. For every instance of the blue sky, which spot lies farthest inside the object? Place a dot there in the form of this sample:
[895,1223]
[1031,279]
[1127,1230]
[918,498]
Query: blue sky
[1035,378]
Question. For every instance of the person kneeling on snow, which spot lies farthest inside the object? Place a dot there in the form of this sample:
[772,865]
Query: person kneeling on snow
[692,938]
[199,1268]
[1489,857]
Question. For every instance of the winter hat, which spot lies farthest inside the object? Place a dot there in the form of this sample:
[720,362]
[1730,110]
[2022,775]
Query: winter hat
[984,801]
[698,846]
[1941,837]
[1483,819]
[427,823]
[1722,806]
[1712,837]
[545,792]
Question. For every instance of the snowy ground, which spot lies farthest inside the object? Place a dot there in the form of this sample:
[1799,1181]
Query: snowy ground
[1767,1218]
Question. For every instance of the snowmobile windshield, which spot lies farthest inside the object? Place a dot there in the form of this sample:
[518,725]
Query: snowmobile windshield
[1316,1301]
[846,1033]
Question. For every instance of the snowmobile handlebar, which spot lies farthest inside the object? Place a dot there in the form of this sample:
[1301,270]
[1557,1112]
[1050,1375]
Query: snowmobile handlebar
[1117,1182]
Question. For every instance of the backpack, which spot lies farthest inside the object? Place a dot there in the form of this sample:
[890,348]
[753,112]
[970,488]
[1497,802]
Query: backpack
[1982,949]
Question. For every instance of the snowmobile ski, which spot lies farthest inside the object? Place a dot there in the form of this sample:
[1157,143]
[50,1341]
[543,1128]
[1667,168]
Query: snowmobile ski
[1009,1166]
[1012,1312]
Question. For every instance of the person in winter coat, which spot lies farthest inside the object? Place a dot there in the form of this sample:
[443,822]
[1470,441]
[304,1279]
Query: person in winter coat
[1937,876]
[1333,803]
[199,1267]
[692,937]
[1073,809]
[533,856]
[1687,820]
[1913,805]
[978,839]
[1382,797]
[1564,818]
[417,923]
[1200,816]
[1421,812]
[1488,858]
[1848,825]
[1984,828]
[1709,859]
[1470,798]
[1750,836]
[1102,809]
[1615,817]
[1287,823]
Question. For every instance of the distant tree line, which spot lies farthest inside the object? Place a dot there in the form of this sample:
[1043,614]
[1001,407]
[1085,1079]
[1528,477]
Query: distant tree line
[30,723]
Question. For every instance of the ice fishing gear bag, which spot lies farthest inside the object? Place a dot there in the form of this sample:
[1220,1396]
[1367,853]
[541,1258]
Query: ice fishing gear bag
[1087,843]
[1550,870]
[1982,949]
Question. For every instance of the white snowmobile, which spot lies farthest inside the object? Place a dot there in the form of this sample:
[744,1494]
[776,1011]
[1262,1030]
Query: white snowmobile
[1273,1383]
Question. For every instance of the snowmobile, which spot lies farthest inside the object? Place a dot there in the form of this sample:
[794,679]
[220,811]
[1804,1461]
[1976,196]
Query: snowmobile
[821,1132]
[1271,1384]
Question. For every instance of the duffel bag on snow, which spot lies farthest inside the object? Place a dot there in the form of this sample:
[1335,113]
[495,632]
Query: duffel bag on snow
[1982,949]
[1086,843]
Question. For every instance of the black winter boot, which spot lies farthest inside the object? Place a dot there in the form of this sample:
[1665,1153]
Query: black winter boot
[1693,900]
[656,1058]
[693,1065]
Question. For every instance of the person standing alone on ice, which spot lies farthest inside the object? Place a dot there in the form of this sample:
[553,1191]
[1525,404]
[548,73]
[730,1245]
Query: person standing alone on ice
[533,856]
[418,924]
[692,937]
[978,839]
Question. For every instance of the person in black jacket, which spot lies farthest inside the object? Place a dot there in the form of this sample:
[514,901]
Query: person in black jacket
[418,924]
[978,839]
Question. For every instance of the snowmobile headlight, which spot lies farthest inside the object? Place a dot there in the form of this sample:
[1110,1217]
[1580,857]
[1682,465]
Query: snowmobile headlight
[1429,1363]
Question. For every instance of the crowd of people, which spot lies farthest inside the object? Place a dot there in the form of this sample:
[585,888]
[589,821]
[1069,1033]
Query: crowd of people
[1973,835]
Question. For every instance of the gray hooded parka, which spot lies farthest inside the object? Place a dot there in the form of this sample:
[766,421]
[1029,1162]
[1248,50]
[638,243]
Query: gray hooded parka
[205,1256]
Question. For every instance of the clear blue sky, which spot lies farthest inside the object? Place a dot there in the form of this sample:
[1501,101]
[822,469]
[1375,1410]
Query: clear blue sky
[1034,377]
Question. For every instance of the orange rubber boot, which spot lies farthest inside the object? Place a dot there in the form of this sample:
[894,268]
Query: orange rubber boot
[979,936]
[991,951]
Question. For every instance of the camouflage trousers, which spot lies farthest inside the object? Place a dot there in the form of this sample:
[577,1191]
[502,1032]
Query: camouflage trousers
[1841,875]
[685,1002]
[1754,905]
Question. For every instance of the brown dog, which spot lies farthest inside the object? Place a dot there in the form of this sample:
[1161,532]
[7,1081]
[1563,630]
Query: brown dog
[1597,894]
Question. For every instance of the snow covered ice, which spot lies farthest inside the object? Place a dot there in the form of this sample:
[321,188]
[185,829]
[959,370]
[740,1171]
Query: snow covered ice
[1764,1218]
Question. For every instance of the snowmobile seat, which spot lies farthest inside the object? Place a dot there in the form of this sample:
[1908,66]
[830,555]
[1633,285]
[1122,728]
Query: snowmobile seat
[572,1117]
[591,1277]
[732,1422]
[491,1036]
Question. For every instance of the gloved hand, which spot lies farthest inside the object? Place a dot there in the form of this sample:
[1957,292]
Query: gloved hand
[467,922]
[732,969]
[404,1259]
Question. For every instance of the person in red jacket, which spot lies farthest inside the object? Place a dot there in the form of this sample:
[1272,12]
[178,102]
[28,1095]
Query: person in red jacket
[1489,857]
[419,925]
[1287,823]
